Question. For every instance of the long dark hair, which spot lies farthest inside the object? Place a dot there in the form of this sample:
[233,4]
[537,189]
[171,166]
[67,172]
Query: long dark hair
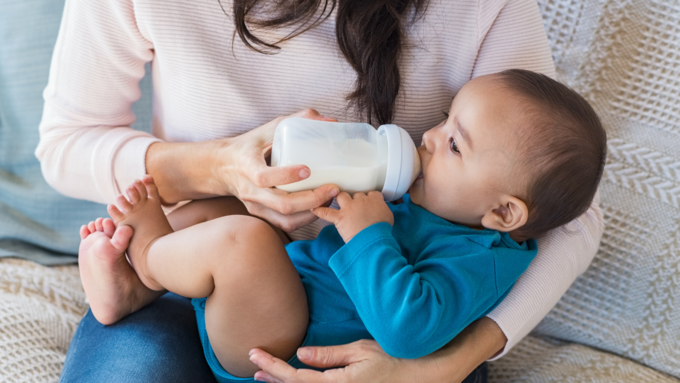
[370,34]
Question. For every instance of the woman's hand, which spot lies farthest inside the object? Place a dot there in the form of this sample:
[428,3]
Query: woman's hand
[361,361]
[365,361]
[237,166]
[250,179]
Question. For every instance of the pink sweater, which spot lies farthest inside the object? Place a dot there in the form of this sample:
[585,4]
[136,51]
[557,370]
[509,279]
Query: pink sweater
[203,90]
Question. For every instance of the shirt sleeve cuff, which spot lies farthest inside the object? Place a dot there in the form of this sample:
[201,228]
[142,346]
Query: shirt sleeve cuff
[130,160]
[508,345]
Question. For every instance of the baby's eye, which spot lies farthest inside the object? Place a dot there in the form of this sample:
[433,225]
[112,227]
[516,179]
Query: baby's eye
[454,146]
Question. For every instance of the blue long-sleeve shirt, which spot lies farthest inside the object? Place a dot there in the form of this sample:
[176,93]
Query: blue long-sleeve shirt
[417,284]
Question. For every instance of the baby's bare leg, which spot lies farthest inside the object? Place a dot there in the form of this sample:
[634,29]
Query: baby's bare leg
[255,296]
[204,210]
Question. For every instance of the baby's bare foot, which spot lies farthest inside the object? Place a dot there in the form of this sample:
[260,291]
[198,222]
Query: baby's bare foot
[111,285]
[143,213]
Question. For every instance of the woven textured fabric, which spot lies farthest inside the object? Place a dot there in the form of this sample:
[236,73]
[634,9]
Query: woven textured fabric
[543,360]
[39,311]
[624,57]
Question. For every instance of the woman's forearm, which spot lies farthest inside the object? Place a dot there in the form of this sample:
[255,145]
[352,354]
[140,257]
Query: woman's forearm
[480,341]
[186,171]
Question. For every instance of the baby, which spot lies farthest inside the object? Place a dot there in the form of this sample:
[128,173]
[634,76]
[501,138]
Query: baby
[519,154]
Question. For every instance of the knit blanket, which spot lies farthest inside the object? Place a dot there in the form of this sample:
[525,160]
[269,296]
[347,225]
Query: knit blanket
[619,322]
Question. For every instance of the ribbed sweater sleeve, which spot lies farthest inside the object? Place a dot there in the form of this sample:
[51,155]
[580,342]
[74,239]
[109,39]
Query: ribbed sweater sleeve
[87,149]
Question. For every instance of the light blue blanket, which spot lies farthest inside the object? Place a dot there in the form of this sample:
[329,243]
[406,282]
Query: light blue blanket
[36,222]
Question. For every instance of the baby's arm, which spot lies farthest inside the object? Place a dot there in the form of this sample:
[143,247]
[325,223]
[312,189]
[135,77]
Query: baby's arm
[414,310]
[410,310]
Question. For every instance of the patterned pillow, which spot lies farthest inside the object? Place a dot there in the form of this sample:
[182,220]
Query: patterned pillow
[36,222]
[624,57]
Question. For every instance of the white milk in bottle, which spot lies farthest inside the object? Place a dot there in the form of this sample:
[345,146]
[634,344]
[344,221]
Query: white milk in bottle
[354,156]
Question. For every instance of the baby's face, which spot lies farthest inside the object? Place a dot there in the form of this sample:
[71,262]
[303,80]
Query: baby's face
[468,160]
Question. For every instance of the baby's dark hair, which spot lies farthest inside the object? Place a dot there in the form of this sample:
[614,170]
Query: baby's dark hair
[565,148]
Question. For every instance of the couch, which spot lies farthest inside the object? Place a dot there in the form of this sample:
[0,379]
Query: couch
[619,322]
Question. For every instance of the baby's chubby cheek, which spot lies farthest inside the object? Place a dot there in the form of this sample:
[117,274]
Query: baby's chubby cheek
[415,192]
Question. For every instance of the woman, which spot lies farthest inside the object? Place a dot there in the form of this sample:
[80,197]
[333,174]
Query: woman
[377,61]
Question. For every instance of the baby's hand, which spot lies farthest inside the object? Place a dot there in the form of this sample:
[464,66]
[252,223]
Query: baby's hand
[356,213]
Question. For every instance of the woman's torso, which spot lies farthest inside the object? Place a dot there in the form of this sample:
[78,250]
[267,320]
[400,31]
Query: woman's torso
[204,89]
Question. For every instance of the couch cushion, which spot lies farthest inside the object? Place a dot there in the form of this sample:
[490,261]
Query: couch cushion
[36,222]
[623,57]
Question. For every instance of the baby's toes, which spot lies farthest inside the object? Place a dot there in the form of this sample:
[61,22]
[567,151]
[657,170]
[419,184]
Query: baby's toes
[91,226]
[123,204]
[133,194]
[115,213]
[109,227]
[121,238]
[98,224]
[151,188]
[84,232]
[139,186]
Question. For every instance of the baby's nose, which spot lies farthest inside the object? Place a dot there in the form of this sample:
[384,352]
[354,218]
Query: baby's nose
[427,143]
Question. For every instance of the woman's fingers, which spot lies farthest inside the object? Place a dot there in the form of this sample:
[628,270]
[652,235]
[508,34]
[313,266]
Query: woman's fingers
[312,114]
[336,356]
[262,376]
[327,214]
[287,223]
[264,176]
[361,361]
[289,203]
[275,370]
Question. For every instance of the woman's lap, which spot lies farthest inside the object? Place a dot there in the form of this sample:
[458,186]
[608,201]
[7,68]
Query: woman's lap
[159,343]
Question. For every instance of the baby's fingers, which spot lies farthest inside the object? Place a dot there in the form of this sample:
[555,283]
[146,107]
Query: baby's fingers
[327,214]
[343,199]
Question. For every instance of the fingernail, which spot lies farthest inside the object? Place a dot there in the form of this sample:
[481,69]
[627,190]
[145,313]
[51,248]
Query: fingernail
[304,173]
[334,192]
[253,359]
[305,353]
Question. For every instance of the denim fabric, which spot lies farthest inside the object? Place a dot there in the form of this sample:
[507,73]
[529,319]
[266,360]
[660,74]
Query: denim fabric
[36,222]
[159,343]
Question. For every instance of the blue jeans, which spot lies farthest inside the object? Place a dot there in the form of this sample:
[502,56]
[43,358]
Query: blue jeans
[159,343]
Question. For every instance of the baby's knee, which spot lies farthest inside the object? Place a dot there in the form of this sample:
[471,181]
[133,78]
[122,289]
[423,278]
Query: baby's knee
[248,239]
[252,232]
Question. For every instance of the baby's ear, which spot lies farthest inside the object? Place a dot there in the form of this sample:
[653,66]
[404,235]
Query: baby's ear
[511,214]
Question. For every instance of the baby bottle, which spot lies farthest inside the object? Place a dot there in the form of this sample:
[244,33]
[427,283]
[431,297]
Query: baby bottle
[354,156]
